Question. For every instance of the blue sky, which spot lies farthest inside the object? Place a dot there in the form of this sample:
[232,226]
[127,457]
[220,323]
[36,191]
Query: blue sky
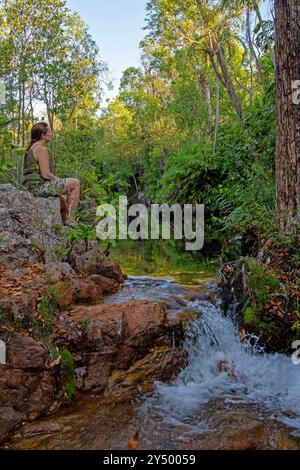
[116,26]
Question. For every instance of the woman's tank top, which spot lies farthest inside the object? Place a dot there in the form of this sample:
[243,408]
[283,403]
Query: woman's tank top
[32,177]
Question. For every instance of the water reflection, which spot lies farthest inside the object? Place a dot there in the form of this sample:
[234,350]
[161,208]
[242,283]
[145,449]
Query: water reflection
[163,259]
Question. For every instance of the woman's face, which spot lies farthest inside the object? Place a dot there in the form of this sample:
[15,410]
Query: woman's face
[48,135]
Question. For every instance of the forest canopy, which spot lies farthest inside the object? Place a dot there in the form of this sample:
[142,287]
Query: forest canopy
[195,122]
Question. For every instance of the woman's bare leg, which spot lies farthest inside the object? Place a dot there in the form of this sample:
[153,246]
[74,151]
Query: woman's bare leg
[72,188]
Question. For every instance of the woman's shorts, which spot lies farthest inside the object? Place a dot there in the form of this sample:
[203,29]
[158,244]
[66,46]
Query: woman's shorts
[50,188]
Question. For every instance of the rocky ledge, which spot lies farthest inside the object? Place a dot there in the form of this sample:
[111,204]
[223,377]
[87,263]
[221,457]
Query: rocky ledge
[57,339]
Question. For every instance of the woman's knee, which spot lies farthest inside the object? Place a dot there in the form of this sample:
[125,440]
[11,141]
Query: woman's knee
[72,183]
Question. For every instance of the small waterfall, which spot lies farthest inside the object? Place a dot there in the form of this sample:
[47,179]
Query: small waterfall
[220,366]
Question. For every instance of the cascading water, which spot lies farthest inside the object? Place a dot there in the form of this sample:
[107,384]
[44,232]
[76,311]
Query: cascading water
[231,395]
[220,366]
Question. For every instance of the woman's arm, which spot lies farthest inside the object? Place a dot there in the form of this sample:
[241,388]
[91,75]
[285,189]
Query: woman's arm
[41,155]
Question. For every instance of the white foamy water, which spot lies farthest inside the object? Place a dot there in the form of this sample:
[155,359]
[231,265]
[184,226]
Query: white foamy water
[270,380]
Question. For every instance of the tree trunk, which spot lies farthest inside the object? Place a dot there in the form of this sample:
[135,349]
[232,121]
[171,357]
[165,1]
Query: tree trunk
[203,83]
[288,113]
[248,26]
[19,110]
[263,28]
[50,115]
[252,52]
[207,97]
[226,76]
[216,49]
[217,116]
[23,114]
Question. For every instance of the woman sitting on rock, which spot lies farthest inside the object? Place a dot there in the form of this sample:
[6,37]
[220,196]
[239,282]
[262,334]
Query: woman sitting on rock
[39,178]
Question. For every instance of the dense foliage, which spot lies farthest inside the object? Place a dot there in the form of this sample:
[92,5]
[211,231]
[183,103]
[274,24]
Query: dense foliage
[195,122]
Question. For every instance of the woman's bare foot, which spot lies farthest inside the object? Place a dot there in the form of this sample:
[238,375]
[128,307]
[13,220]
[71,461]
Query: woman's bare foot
[69,221]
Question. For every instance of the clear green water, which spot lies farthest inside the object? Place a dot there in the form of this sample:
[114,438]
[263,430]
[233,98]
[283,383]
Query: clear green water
[162,259]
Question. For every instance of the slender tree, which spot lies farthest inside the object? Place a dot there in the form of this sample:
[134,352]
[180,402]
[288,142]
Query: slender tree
[288,112]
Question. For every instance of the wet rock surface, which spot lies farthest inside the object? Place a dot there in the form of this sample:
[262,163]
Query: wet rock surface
[110,420]
[108,424]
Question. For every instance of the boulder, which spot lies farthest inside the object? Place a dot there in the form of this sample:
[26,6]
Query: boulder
[25,353]
[160,364]
[118,349]
[111,339]
[85,257]
[30,228]
[9,421]
[27,381]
